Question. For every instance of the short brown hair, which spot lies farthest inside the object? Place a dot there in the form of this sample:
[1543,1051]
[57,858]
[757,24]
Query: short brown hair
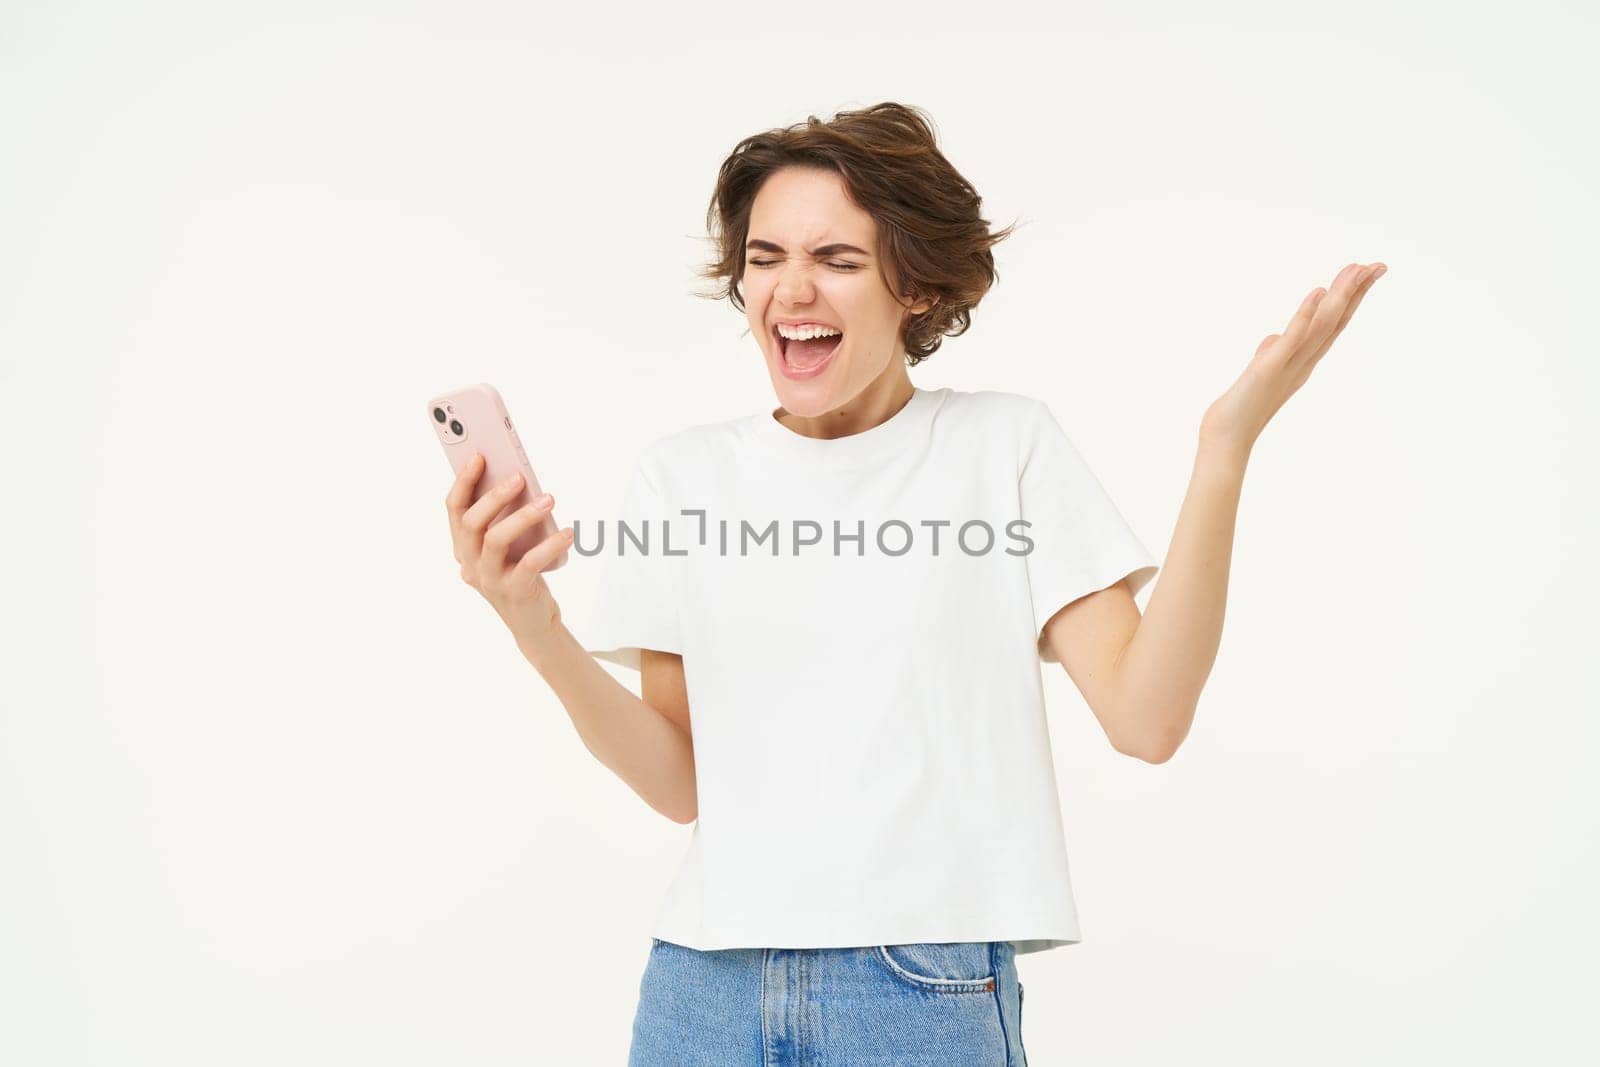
[930,231]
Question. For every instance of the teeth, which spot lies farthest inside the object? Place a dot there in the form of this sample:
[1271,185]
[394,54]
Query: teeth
[805,332]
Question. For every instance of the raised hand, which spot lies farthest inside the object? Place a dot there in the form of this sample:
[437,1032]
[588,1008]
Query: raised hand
[1284,361]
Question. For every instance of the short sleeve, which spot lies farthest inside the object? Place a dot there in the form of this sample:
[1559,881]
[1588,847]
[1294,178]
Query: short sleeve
[636,604]
[1081,542]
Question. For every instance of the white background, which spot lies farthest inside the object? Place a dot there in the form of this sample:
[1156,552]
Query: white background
[276,787]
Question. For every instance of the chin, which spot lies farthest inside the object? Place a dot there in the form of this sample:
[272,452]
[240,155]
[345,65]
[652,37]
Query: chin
[813,396]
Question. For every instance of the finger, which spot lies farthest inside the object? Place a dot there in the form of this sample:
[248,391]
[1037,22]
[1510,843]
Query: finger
[468,530]
[1316,329]
[460,494]
[1299,323]
[457,499]
[543,555]
[1345,286]
[479,515]
[1358,292]
[501,535]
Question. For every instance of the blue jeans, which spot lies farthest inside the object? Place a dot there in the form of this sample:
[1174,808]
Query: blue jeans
[933,1003]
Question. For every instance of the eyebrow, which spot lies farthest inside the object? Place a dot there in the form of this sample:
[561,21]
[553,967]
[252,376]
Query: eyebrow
[825,250]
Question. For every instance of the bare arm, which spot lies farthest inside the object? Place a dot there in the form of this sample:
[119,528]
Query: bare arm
[1143,676]
[644,746]
[1158,675]
[1088,636]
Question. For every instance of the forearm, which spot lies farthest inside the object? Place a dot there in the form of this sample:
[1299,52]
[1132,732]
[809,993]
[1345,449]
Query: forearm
[1163,668]
[639,744]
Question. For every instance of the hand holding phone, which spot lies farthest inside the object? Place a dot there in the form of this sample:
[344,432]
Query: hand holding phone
[503,539]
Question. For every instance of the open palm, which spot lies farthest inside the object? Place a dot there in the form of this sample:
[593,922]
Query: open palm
[1283,362]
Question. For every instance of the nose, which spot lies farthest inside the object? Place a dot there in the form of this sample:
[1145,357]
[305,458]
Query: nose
[794,284]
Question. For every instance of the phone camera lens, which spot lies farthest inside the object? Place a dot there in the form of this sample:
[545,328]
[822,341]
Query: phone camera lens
[438,414]
[456,427]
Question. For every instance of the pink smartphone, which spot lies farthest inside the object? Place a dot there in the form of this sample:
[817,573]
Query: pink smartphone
[475,419]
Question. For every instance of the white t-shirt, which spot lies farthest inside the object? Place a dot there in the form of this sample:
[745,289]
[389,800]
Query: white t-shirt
[859,620]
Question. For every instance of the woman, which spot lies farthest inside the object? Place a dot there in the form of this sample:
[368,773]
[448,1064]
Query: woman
[854,593]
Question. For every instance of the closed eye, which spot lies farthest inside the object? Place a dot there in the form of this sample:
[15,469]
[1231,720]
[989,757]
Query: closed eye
[838,266]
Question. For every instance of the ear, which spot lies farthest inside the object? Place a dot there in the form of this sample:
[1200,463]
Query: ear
[923,305]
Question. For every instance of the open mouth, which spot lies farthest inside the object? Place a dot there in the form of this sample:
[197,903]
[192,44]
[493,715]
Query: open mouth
[807,355]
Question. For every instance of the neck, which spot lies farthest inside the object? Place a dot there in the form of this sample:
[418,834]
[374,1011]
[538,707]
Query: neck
[882,398]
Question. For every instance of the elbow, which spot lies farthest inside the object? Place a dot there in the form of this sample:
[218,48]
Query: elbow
[685,811]
[1161,740]
[681,816]
[1159,751]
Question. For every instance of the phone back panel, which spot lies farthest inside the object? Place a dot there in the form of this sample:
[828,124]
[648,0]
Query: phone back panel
[485,426]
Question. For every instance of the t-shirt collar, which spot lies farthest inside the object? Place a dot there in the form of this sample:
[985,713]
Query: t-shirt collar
[878,442]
